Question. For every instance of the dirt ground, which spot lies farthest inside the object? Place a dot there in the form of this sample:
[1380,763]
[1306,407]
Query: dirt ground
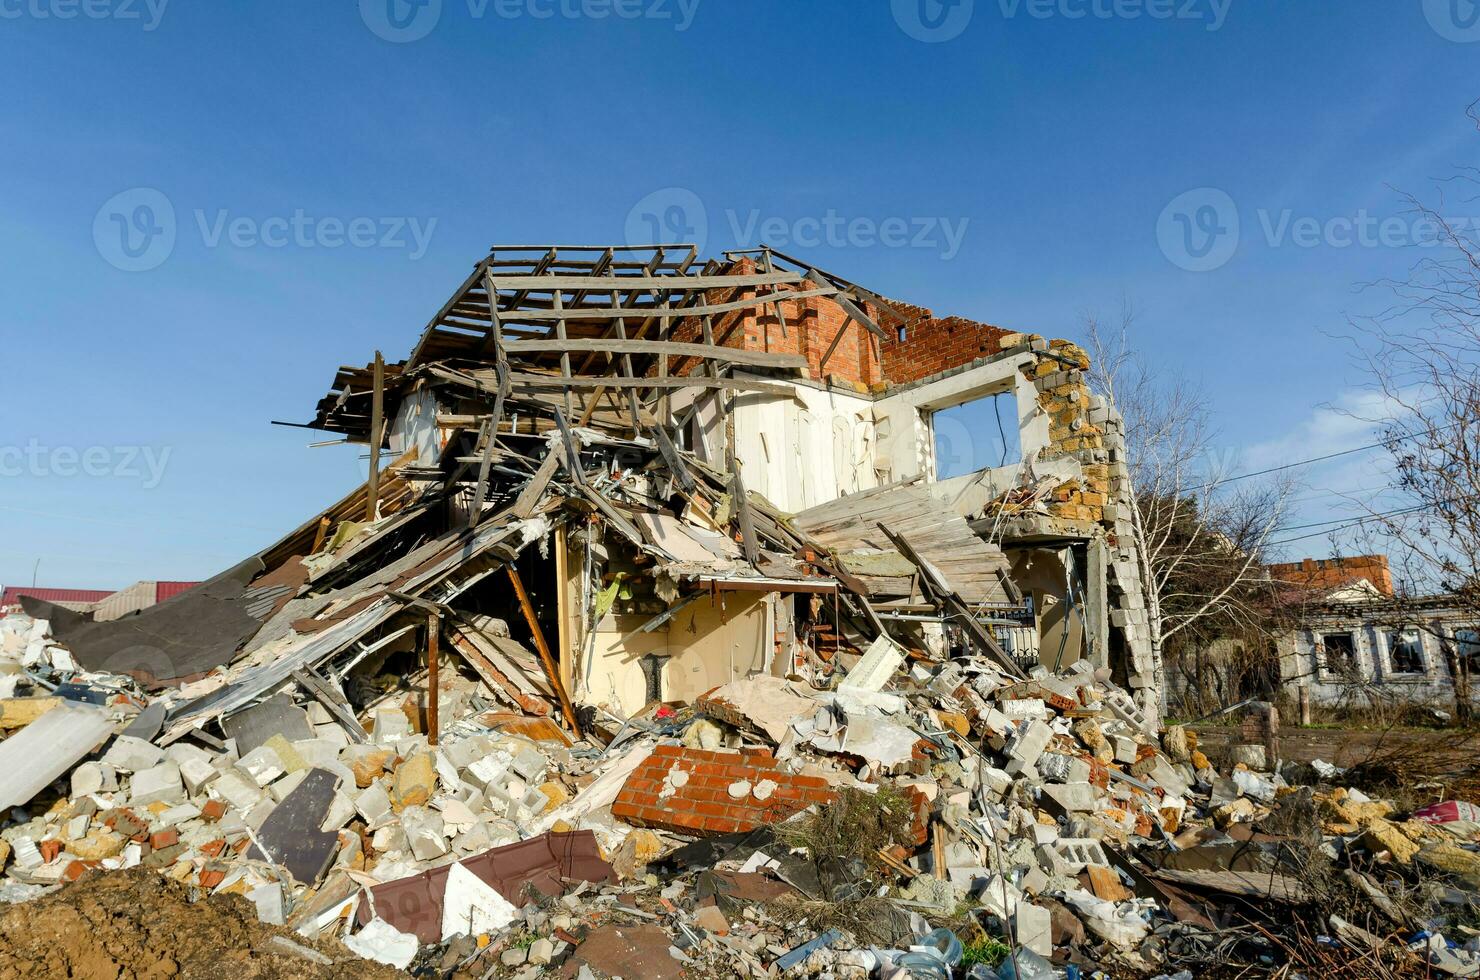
[1339,746]
[133,925]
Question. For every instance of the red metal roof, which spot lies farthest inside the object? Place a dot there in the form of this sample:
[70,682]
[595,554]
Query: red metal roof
[13,593]
[166,590]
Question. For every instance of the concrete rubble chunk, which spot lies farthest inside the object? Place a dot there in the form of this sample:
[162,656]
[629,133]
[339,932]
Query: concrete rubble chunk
[160,784]
[132,754]
[261,765]
[425,833]
[1069,855]
[384,943]
[1071,797]
[414,782]
[197,774]
[237,789]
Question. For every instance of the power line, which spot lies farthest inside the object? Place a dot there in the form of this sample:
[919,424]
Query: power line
[1348,523]
[1322,459]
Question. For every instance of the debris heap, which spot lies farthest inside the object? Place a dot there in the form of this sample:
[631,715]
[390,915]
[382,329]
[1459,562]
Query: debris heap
[554,690]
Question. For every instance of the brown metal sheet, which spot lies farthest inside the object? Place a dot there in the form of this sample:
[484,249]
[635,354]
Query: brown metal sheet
[543,863]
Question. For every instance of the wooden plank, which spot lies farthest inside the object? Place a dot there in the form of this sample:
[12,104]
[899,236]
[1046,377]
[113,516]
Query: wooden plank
[848,305]
[674,461]
[687,381]
[768,267]
[837,339]
[666,283]
[320,534]
[530,496]
[572,451]
[672,348]
[537,314]
[434,631]
[377,421]
[952,605]
[490,431]
[318,686]
[496,679]
[547,661]
[748,542]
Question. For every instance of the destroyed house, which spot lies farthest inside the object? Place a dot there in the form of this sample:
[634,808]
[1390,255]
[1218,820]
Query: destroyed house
[606,477]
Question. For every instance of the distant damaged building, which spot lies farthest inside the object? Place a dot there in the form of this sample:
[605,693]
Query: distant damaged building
[606,477]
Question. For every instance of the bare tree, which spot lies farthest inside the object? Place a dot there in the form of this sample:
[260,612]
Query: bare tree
[1423,355]
[1200,538]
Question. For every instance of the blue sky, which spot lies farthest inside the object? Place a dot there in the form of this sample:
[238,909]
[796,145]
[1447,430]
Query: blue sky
[334,170]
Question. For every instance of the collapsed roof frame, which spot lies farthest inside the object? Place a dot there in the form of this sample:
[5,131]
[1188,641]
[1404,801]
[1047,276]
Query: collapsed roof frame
[592,322]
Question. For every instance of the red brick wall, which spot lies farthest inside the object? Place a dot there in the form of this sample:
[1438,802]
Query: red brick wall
[703,805]
[1330,574]
[929,345]
[932,345]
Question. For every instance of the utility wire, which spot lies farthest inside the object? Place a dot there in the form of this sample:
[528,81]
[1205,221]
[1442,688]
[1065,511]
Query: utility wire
[1352,523]
[1322,459]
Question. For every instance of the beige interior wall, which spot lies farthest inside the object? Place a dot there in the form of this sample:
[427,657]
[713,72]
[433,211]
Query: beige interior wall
[1042,574]
[707,643]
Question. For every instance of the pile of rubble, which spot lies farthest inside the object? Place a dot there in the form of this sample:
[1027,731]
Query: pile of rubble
[916,815]
[554,690]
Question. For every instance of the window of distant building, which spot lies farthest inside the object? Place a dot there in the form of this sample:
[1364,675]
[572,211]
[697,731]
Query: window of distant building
[1340,652]
[1405,651]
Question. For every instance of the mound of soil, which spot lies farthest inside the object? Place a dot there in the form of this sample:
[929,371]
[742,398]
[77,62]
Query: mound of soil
[139,925]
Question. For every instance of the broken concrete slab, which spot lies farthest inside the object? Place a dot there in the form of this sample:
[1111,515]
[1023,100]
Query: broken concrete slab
[40,753]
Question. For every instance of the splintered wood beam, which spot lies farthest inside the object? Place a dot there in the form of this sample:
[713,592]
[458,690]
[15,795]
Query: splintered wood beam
[377,420]
[547,661]
[687,381]
[748,543]
[529,498]
[952,604]
[572,451]
[671,284]
[434,631]
[490,434]
[848,306]
[674,460]
[320,534]
[322,691]
[516,315]
[627,347]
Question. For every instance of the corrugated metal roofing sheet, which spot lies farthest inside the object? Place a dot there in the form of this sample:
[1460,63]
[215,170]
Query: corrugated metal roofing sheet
[168,590]
[12,595]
